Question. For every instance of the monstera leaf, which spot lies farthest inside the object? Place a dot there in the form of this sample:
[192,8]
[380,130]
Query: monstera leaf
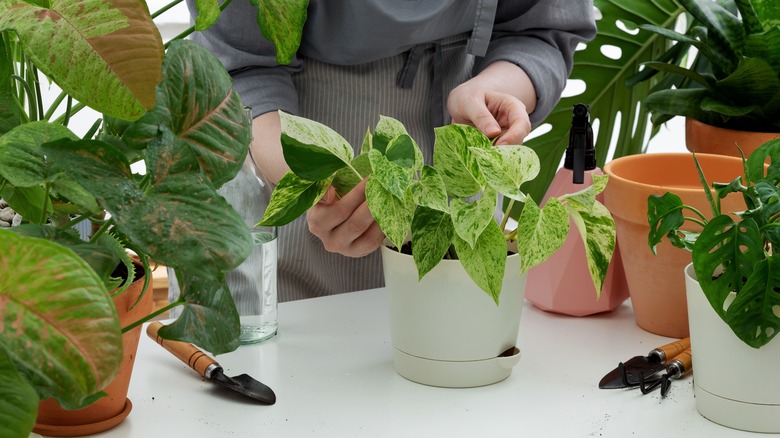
[82,46]
[616,109]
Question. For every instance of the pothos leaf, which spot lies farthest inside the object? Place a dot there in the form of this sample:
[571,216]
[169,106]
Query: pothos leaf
[506,168]
[312,150]
[432,233]
[394,178]
[471,218]
[541,231]
[393,214]
[291,198]
[486,261]
[597,229]
[429,191]
[456,165]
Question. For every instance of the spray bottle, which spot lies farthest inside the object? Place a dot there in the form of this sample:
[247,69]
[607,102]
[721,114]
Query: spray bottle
[562,284]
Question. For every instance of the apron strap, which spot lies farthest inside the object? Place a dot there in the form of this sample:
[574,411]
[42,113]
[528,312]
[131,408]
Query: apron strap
[483,27]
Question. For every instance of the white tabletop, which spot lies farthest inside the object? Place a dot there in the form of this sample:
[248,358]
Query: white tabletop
[331,368]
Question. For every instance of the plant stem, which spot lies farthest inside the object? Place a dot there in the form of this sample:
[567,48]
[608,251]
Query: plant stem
[46,188]
[151,316]
[28,91]
[54,105]
[191,29]
[698,213]
[508,209]
[165,8]
[39,97]
[101,230]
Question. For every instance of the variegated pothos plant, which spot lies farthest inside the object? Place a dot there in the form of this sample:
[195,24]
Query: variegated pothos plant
[448,208]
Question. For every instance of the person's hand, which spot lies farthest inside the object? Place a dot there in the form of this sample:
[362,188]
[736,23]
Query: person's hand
[497,102]
[345,225]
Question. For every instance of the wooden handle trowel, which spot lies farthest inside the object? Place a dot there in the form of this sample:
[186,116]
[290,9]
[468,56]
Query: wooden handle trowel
[210,369]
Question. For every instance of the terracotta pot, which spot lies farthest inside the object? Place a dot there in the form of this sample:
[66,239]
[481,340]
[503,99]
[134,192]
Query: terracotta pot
[110,410]
[739,392]
[445,330]
[703,138]
[656,288]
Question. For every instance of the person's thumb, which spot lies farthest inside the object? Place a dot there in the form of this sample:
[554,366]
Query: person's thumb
[485,122]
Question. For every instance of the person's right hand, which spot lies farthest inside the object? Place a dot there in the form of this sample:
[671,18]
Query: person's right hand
[345,225]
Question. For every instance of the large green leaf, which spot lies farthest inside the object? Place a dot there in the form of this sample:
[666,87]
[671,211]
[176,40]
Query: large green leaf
[197,103]
[394,178]
[507,168]
[429,191]
[181,222]
[21,161]
[454,161]
[486,262]
[48,292]
[432,233]
[209,318]
[606,92]
[104,54]
[541,231]
[291,198]
[393,214]
[281,22]
[312,150]
[597,229]
[471,218]
[10,114]
[18,401]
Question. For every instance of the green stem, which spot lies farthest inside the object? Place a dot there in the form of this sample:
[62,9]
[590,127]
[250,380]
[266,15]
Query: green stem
[508,210]
[696,221]
[75,221]
[38,95]
[698,213]
[151,316]
[191,29]
[54,105]
[102,230]
[29,93]
[165,8]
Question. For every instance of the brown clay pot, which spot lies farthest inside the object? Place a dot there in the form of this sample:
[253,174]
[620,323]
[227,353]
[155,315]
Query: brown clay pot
[656,283]
[703,138]
[110,410]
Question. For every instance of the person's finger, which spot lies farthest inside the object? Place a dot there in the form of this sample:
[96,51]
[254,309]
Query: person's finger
[329,196]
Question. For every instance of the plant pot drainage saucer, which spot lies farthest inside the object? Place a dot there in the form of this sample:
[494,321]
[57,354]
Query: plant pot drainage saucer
[83,429]
[455,374]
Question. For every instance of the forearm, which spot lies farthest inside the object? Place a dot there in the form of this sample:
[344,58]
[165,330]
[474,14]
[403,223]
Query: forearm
[266,148]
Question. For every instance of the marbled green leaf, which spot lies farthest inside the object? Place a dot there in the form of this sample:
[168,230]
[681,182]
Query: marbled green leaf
[21,161]
[386,130]
[10,114]
[486,262]
[18,401]
[541,231]
[597,229]
[471,218]
[346,179]
[281,22]
[208,13]
[209,318]
[291,198]
[585,199]
[312,150]
[432,233]
[429,191]
[401,151]
[394,178]
[197,103]
[393,214]
[83,47]
[47,293]
[456,164]
[506,168]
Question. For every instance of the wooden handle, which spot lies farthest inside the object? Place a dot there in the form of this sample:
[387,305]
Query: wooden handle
[669,351]
[685,360]
[186,352]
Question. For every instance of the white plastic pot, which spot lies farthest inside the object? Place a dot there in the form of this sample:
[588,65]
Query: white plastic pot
[735,385]
[445,330]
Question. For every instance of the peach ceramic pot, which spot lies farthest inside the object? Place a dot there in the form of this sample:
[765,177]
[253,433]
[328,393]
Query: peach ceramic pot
[655,285]
[703,138]
[110,410]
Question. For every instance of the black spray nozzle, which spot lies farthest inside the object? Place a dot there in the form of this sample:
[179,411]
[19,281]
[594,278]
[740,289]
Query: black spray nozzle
[580,154]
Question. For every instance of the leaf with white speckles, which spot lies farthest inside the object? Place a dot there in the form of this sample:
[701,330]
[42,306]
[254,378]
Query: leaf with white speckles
[486,261]
[506,168]
[541,231]
[597,229]
[393,214]
[471,218]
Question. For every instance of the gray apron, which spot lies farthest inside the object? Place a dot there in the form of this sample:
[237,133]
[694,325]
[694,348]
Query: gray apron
[411,87]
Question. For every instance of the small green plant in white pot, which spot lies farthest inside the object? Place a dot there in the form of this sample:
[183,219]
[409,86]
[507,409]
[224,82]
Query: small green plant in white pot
[438,213]
[733,289]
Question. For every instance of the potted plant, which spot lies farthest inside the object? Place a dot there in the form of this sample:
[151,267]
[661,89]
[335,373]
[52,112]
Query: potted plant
[732,289]
[174,110]
[729,90]
[435,206]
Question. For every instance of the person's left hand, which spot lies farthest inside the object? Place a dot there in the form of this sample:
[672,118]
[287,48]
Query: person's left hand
[493,103]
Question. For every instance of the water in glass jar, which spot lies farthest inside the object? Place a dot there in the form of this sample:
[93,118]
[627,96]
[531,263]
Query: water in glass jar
[256,300]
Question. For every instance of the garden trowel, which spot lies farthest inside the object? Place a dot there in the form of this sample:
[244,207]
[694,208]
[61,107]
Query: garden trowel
[631,372]
[210,369]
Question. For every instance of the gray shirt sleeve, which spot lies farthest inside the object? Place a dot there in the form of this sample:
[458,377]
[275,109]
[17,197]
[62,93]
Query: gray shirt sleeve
[541,40]
[540,36]
[235,39]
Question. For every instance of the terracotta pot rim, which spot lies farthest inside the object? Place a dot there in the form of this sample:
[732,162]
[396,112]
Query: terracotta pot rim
[658,157]
[691,121]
